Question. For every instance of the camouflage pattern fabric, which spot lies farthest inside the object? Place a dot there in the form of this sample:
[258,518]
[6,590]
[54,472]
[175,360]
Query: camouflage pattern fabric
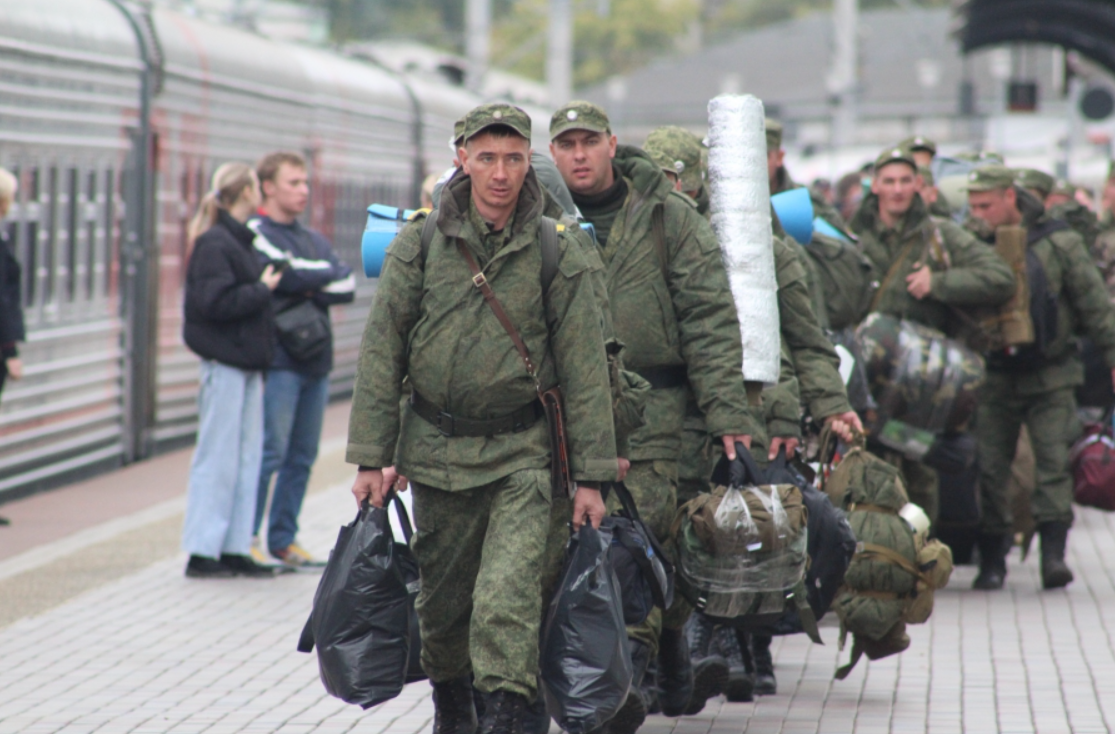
[965,272]
[1103,254]
[1081,219]
[482,557]
[429,325]
[677,151]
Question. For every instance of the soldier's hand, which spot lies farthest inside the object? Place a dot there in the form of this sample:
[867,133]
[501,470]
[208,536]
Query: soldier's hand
[730,444]
[369,485]
[14,365]
[920,282]
[587,505]
[845,424]
[624,466]
[790,443]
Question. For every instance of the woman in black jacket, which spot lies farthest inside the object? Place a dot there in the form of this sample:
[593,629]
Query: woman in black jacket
[229,325]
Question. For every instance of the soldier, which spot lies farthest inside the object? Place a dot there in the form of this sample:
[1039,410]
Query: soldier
[1034,384]
[672,308]
[924,151]
[930,265]
[472,437]
[780,178]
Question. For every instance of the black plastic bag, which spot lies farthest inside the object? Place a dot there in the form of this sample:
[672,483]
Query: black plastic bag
[362,617]
[645,575]
[585,662]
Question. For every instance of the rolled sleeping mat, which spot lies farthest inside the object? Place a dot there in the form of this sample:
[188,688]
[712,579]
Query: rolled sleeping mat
[384,222]
[740,203]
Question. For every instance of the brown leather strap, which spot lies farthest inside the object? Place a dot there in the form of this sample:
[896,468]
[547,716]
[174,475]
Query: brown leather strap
[481,283]
[894,268]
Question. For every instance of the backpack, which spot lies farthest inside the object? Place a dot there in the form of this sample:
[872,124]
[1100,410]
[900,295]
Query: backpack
[1093,467]
[742,549]
[847,277]
[892,577]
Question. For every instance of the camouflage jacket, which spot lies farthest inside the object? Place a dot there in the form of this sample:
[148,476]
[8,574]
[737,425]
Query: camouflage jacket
[674,314]
[430,326]
[965,272]
[1083,307]
[1103,255]
[1082,221]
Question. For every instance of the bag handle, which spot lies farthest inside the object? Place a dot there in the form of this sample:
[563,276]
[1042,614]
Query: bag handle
[402,514]
[743,468]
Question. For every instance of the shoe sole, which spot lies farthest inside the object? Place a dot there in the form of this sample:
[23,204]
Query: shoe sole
[740,688]
[710,678]
[629,717]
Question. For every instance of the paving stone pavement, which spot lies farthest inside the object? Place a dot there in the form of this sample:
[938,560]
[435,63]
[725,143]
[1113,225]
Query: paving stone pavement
[156,652]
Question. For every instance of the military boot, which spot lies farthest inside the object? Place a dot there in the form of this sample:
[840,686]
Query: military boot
[710,670]
[675,672]
[504,712]
[740,687]
[1055,573]
[634,710]
[454,710]
[765,683]
[536,720]
[650,688]
[993,549]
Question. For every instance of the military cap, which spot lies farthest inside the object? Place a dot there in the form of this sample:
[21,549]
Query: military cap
[580,115]
[496,113]
[774,134]
[919,143]
[926,174]
[677,151]
[896,154]
[1031,178]
[458,133]
[989,178]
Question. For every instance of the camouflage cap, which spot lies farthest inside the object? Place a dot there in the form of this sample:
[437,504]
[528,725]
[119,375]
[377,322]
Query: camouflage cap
[774,134]
[580,115]
[496,113]
[1031,178]
[896,154]
[458,133]
[677,151]
[919,143]
[991,177]
[926,174]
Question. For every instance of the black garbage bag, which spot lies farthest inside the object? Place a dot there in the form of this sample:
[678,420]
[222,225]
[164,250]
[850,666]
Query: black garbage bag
[586,666]
[362,617]
[645,575]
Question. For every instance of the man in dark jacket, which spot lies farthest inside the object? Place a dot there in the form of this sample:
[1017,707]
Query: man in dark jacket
[297,383]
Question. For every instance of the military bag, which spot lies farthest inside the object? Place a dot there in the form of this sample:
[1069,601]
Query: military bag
[645,575]
[848,279]
[742,549]
[895,570]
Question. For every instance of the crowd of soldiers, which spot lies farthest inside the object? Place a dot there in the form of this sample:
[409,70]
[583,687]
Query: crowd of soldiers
[478,312]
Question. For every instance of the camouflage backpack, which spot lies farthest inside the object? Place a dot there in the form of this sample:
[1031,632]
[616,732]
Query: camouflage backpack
[892,577]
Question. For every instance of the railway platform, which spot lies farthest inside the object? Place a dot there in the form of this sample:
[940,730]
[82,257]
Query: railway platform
[101,632]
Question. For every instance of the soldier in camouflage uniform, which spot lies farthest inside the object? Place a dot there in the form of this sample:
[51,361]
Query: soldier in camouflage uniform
[929,266]
[923,150]
[471,437]
[1034,384]
[672,308]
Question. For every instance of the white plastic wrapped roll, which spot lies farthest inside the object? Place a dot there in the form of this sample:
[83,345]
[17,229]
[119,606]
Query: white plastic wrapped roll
[740,201]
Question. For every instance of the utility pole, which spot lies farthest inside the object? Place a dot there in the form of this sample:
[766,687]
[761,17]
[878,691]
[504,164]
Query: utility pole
[843,80]
[478,28]
[559,52]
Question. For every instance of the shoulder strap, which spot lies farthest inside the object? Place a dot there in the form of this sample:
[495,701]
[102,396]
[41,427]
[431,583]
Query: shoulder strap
[551,254]
[429,227]
[893,271]
[658,226]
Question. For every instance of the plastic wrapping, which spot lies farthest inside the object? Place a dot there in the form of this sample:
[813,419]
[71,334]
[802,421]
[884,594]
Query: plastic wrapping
[585,661]
[362,618]
[739,191]
[918,378]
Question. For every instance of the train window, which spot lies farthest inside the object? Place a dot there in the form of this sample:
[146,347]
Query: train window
[48,239]
[107,262]
[92,249]
[74,267]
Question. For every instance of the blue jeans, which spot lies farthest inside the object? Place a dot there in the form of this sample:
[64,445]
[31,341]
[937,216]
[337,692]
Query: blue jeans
[221,500]
[293,411]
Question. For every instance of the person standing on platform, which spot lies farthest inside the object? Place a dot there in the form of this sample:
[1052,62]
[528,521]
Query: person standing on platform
[296,388]
[11,293]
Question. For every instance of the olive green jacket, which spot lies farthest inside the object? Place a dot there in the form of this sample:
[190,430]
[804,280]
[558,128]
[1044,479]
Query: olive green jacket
[677,313]
[1083,221]
[430,325]
[965,272]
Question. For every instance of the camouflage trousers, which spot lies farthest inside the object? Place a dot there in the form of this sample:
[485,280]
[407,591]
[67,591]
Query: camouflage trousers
[482,557]
[696,462]
[1053,425]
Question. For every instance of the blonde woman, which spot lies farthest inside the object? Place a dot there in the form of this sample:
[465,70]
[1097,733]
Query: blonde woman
[11,300]
[229,325]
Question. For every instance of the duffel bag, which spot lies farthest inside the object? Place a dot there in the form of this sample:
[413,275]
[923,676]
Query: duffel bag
[1093,468]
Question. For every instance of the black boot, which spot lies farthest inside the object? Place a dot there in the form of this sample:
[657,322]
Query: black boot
[1055,573]
[536,720]
[650,688]
[504,712]
[765,684]
[675,673]
[710,670]
[454,711]
[740,687]
[993,549]
[634,710]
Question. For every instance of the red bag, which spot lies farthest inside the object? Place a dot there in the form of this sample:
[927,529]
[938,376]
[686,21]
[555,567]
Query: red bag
[1093,468]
